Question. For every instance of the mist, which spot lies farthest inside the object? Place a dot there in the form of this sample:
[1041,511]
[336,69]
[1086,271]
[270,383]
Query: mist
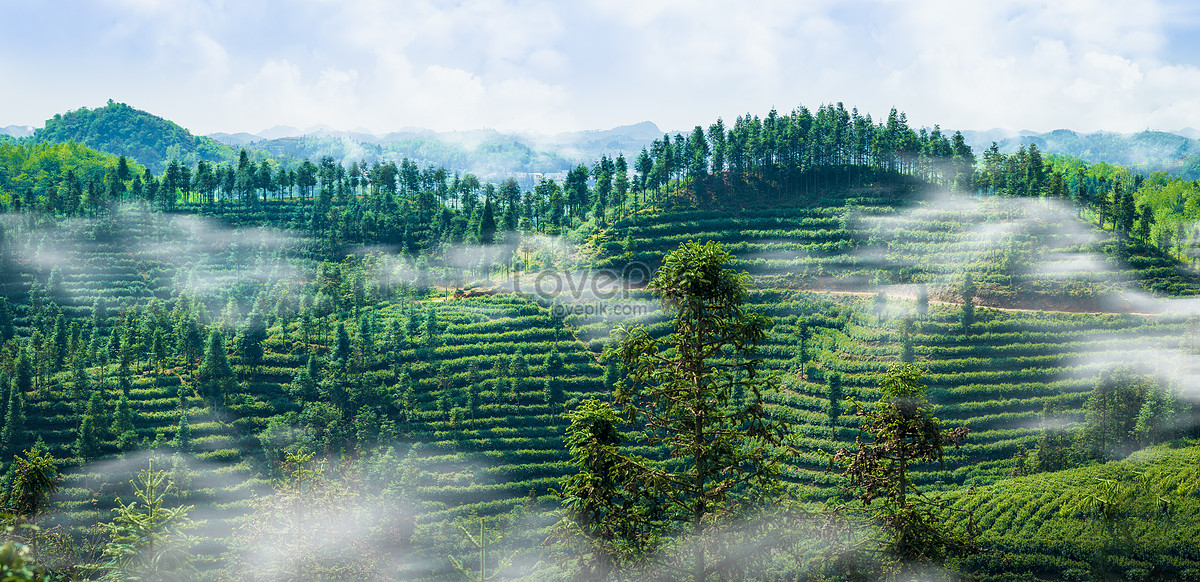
[157,254]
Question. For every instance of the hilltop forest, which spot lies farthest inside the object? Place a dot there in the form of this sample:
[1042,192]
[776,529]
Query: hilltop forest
[803,345]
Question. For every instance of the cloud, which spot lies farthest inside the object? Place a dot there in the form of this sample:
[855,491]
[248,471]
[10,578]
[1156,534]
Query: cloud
[545,66]
[1069,64]
[206,256]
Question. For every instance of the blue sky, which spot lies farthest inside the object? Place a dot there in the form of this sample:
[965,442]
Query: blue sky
[546,66]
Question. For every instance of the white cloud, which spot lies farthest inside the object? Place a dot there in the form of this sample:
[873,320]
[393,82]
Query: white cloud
[1021,64]
[549,66]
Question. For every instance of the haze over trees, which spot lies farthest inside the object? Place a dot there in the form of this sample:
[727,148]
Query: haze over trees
[353,362]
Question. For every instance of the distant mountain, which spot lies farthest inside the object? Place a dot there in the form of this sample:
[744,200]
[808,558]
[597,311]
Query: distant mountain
[487,153]
[1145,152]
[17,130]
[235,139]
[626,139]
[280,131]
[982,140]
[120,129]
[1188,132]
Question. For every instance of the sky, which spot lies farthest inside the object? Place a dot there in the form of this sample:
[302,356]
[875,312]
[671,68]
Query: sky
[549,66]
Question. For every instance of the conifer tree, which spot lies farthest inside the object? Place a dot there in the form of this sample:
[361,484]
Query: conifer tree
[6,391]
[902,432]
[554,360]
[250,342]
[341,346]
[473,400]
[433,329]
[677,390]
[122,426]
[487,224]
[552,393]
[146,539]
[514,390]
[215,375]
[183,434]
[13,435]
[23,377]
[968,305]
[87,446]
[8,328]
[304,386]
[36,479]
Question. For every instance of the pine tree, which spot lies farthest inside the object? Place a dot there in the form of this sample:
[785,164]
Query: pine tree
[146,539]
[473,400]
[433,330]
[341,345]
[554,360]
[902,432]
[6,392]
[215,375]
[36,479]
[183,435]
[906,342]
[365,341]
[514,391]
[835,395]
[8,328]
[518,367]
[23,377]
[968,305]
[552,393]
[304,385]
[487,224]
[87,446]
[122,426]
[13,436]
[677,391]
[250,342]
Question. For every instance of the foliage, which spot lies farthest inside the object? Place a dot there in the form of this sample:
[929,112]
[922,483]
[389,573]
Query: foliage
[903,433]
[36,479]
[485,541]
[123,130]
[406,342]
[146,539]
[314,525]
[215,374]
[1116,520]
[724,459]
[1126,410]
[17,563]
[606,510]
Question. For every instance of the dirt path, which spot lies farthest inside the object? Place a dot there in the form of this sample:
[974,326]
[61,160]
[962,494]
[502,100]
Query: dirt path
[997,308]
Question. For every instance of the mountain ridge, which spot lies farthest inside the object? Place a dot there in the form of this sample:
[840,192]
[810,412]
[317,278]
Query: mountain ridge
[492,154]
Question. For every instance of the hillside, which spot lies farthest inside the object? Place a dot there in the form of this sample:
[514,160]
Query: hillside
[1134,519]
[482,433]
[122,130]
[395,329]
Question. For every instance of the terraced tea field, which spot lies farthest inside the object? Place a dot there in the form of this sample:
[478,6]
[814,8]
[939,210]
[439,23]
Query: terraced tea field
[1012,373]
[477,403]
[1033,254]
[1047,526]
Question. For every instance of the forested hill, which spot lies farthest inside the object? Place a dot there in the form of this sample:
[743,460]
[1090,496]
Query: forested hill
[120,129]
